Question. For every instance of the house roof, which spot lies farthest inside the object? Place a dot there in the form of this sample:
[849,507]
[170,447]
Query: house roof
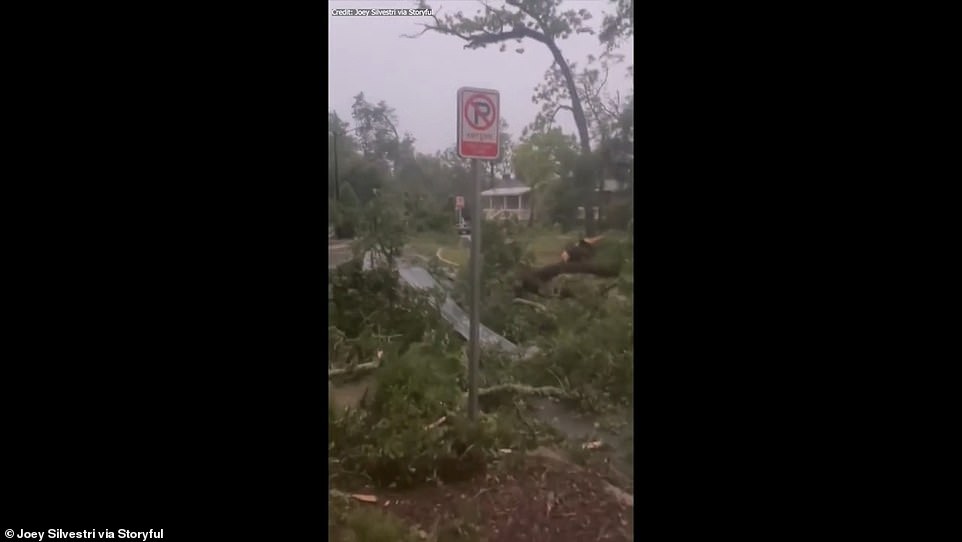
[507,186]
[508,182]
[513,191]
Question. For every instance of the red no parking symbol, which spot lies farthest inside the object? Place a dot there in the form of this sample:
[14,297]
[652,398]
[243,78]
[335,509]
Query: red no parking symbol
[480,112]
[479,123]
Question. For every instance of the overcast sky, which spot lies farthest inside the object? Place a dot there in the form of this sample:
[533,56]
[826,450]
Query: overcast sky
[419,77]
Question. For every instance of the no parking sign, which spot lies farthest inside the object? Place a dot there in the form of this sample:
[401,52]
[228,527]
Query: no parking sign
[479,123]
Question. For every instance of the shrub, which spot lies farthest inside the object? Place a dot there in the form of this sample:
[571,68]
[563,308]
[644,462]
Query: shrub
[617,216]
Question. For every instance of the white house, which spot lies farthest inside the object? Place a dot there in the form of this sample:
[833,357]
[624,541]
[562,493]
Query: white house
[509,198]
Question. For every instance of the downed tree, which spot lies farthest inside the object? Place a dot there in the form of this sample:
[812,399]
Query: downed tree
[534,280]
[581,251]
[576,259]
[359,368]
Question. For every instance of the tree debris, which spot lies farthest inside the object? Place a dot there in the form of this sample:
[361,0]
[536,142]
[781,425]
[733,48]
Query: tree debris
[362,367]
[536,305]
[521,389]
[435,424]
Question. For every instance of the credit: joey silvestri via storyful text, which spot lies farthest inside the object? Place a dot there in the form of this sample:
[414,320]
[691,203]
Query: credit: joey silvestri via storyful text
[59,534]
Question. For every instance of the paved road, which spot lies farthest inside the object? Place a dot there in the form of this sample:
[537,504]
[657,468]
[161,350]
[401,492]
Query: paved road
[418,277]
[455,315]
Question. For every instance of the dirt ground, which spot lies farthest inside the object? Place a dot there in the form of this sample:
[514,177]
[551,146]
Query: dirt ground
[538,497]
[338,252]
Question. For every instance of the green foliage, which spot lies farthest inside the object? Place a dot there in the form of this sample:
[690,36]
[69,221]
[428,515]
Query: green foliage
[399,440]
[423,213]
[586,342]
[347,213]
[562,201]
[502,254]
[374,302]
[391,441]
[617,215]
[619,25]
[544,160]
[423,384]
[376,128]
[366,177]
[381,228]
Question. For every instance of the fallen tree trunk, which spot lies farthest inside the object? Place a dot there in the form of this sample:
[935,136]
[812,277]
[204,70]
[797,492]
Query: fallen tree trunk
[533,280]
[581,251]
[359,368]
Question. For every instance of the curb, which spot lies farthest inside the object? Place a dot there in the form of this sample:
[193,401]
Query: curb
[440,257]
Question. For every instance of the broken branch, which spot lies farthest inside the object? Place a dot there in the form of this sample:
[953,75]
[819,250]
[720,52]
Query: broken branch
[363,367]
[522,389]
[536,305]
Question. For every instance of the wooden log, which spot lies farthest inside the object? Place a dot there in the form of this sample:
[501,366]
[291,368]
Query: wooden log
[532,280]
[362,367]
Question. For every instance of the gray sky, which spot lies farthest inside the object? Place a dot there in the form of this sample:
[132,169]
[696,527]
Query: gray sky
[419,77]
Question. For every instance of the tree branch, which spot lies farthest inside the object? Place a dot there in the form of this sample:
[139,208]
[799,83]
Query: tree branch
[526,11]
[538,306]
[555,112]
[438,27]
[520,32]
[363,367]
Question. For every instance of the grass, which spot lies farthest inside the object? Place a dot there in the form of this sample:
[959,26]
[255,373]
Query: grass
[426,244]
[544,244]
[460,255]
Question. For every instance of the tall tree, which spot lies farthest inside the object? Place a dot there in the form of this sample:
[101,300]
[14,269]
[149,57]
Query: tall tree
[619,25]
[341,151]
[541,21]
[502,166]
[376,126]
[544,161]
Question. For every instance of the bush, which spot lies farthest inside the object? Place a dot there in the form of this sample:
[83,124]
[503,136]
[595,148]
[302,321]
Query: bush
[501,256]
[373,303]
[592,352]
[393,442]
[617,216]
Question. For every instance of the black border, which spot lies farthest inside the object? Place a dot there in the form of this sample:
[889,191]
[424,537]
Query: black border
[165,328]
[163,360]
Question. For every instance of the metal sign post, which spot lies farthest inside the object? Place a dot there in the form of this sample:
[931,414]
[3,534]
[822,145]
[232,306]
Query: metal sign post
[475,324]
[479,127]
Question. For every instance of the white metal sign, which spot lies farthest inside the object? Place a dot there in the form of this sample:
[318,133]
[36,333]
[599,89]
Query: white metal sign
[479,123]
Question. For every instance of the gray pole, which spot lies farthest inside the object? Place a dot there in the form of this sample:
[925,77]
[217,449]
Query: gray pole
[475,328]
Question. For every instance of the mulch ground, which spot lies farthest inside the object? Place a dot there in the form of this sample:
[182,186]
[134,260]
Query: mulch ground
[536,498]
